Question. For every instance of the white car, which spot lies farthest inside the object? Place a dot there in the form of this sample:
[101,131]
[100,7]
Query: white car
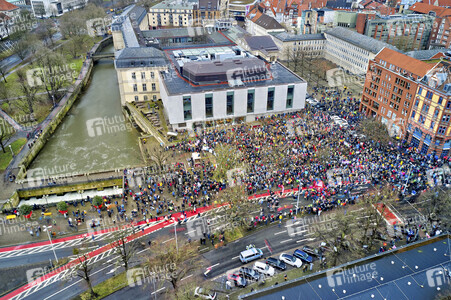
[200,292]
[263,269]
[290,260]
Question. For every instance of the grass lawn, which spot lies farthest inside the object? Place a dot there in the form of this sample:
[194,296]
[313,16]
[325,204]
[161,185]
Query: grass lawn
[107,287]
[6,157]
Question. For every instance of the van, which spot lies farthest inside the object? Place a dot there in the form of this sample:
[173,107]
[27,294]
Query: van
[250,254]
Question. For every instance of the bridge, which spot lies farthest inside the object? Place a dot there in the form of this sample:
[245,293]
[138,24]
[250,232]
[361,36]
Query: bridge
[99,56]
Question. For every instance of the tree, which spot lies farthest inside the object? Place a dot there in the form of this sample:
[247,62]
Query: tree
[227,158]
[84,269]
[54,72]
[45,31]
[239,205]
[97,201]
[6,131]
[21,48]
[375,130]
[61,206]
[77,45]
[172,265]
[29,91]
[123,246]
[155,155]
[436,204]
[25,209]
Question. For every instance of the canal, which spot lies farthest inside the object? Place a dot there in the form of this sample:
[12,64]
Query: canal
[94,135]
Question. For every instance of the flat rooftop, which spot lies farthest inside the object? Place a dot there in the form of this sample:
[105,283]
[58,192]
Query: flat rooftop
[176,85]
[412,273]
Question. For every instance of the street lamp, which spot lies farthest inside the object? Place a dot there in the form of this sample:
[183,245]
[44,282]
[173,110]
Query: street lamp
[175,232]
[50,240]
[12,153]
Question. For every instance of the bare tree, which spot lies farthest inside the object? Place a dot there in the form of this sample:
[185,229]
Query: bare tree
[21,48]
[123,246]
[6,131]
[29,91]
[155,155]
[84,270]
[45,31]
[375,130]
[227,158]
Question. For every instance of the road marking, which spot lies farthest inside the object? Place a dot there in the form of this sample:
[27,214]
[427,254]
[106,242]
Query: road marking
[215,265]
[142,251]
[158,290]
[285,241]
[168,240]
[309,239]
[186,277]
[235,257]
[280,232]
[190,231]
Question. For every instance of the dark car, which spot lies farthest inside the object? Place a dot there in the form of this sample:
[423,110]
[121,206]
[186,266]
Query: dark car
[250,274]
[237,279]
[310,251]
[303,256]
[276,263]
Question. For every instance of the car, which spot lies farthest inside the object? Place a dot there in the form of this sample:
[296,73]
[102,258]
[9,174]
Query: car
[250,254]
[276,263]
[250,274]
[237,279]
[202,293]
[303,256]
[290,260]
[310,251]
[264,269]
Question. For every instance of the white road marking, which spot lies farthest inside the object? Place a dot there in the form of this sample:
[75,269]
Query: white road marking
[280,232]
[285,241]
[168,240]
[186,277]
[309,239]
[235,257]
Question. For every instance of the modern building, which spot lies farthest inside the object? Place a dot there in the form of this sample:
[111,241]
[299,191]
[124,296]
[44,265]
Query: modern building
[429,122]
[137,73]
[406,32]
[390,87]
[311,45]
[226,85]
[55,8]
[350,50]
[171,14]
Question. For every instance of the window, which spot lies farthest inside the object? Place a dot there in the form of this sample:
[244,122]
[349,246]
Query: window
[290,94]
[420,90]
[135,87]
[441,130]
[230,100]
[270,99]
[448,105]
[143,75]
[146,98]
[152,75]
[436,113]
[440,100]
[209,105]
[413,114]
[250,101]
[136,98]
[144,87]
[154,88]
[445,118]
[432,125]
[429,95]
[417,102]
[154,97]
[133,75]
[187,108]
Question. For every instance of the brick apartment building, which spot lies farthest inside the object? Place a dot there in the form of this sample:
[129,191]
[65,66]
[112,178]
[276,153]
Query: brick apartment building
[390,87]
[429,123]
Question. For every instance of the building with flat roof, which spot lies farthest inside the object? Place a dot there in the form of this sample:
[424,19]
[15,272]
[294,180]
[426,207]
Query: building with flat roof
[350,50]
[171,14]
[312,45]
[226,84]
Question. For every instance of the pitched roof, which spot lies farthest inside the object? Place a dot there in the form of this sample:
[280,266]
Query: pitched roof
[425,8]
[425,54]
[140,57]
[267,22]
[359,40]
[405,62]
[264,42]
[6,6]
[288,37]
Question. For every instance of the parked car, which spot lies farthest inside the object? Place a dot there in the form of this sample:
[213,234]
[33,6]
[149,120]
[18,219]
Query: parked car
[303,256]
[264,269]
[310,251]
[276,263]
[291,260]
[250,274]
[250,254]
[202,293]
[237,279]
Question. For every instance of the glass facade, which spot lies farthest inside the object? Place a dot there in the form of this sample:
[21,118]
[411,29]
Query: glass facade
[250,101]
[230,100]
[209,105]
[187,114]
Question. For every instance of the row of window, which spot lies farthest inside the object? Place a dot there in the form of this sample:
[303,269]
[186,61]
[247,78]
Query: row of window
[230,102]
[146,98]
[144,87]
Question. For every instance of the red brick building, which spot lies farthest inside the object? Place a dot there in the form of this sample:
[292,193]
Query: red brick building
[390,88]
